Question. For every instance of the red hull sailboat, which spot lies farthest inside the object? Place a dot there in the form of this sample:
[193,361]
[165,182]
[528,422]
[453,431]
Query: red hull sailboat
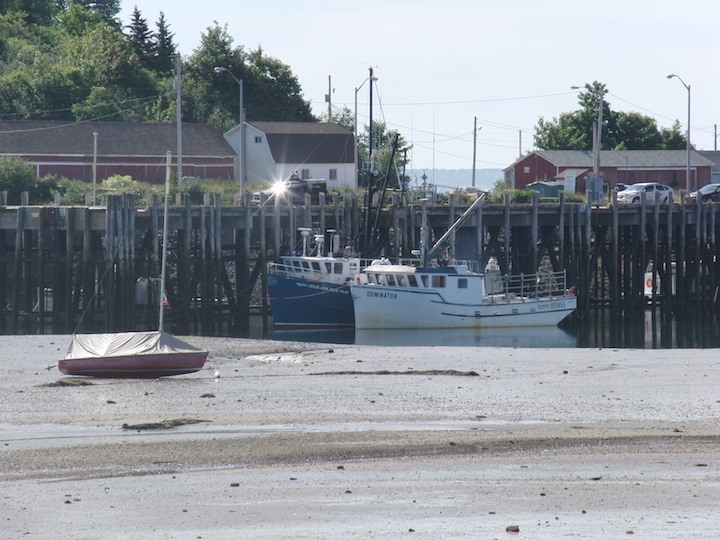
[131,354]
[135,354]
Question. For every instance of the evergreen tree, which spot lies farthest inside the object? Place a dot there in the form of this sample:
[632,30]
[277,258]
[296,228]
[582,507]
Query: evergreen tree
[163,47]
[139,36]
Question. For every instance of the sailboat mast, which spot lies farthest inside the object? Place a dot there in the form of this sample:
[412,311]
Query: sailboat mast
[163,264]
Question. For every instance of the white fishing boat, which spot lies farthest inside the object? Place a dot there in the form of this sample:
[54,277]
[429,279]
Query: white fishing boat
[403,296]
[446,295]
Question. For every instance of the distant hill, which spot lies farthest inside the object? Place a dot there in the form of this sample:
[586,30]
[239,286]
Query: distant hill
[447,179]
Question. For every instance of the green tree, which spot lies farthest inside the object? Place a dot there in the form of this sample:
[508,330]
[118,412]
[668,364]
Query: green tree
[673,138]
[16,176]
[344,117]
[107,9]
[209,96]
[275,94]
[620,130]
[383,142]
[33,11]
[270,91]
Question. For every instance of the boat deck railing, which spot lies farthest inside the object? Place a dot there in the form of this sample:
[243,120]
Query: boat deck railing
[545,285]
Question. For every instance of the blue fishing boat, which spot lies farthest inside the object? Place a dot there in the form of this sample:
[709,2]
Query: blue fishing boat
[312,289]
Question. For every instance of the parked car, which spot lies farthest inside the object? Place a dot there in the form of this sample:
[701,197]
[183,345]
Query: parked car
[632,193]
[292,189]
[709,193]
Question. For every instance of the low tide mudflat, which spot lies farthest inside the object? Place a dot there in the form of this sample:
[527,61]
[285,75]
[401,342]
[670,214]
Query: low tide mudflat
[304,440]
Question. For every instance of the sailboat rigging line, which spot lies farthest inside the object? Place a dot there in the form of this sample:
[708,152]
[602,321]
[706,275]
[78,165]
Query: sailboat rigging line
[124,237]
[163,263]
[100,280]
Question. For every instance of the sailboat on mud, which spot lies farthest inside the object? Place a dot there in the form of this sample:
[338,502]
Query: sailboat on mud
[148,354]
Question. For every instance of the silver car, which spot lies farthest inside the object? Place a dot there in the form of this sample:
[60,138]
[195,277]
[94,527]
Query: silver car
[632,193]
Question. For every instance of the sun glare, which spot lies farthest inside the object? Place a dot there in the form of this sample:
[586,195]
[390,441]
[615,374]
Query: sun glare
[278,188]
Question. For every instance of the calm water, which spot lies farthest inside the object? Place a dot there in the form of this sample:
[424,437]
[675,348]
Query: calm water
[600,328]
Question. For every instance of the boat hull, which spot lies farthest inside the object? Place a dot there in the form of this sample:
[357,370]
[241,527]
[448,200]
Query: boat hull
[398,307]
[302,303]
[135,366]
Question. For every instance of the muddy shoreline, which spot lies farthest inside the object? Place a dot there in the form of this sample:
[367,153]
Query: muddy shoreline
[300,440]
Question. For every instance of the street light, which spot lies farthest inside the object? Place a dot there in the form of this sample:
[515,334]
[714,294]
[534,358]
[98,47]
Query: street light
[240,169]
[687,170]
[357,89]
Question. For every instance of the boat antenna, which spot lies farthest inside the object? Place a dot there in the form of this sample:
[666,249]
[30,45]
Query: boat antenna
[163,263]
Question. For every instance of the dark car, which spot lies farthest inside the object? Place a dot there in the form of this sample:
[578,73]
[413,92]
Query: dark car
[709,193]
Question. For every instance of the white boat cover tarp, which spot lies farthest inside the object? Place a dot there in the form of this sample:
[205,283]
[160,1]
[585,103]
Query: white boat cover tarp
[126,344]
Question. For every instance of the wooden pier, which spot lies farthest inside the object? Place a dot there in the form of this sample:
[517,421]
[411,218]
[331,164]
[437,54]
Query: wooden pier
[89,269]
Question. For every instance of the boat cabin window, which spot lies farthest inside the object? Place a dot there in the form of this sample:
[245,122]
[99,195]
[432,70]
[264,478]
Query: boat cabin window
[412,281]
[316,266]
[462,283]
[390,280]
[424,279]
[296,265]
[338,268]
[306,265]
[438,282]
[328,268]
[401,280]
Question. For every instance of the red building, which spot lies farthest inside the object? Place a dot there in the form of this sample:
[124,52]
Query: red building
[616,167]
[117,148]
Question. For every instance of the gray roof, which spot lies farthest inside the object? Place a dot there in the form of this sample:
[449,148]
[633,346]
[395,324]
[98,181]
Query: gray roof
[624,158]
[30,137]
[712,155]
[308,142]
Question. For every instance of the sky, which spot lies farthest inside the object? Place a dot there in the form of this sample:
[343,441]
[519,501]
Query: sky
[442,66]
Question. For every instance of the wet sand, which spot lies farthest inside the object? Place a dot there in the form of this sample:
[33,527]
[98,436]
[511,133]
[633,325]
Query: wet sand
[301,440]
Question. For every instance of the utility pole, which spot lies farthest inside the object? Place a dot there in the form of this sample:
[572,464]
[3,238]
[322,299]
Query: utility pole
[474,148]
[178,116]
[597,140]
[371,178]
[328,98]
[475,130]
[520,143]
[94,167]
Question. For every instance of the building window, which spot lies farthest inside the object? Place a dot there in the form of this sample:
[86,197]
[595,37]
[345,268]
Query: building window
[305,174]
[333,174]
[258,139]
[526,169]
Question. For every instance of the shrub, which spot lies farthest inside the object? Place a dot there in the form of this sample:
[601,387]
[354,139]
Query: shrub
[16,176]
